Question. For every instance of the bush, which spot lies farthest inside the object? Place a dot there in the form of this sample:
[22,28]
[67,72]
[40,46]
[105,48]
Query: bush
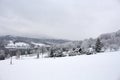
[59,55]
[2,56]
[72,54]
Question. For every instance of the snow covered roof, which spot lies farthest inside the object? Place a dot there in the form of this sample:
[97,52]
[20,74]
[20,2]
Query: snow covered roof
[17,45]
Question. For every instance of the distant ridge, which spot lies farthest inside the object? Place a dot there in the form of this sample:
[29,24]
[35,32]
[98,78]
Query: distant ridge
[5,39]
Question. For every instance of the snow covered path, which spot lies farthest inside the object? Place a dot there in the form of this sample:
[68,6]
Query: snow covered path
[104,66]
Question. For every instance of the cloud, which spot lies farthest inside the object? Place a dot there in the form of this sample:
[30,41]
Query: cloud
[67,19]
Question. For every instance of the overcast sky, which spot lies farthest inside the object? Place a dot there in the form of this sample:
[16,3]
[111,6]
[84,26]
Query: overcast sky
[66,19]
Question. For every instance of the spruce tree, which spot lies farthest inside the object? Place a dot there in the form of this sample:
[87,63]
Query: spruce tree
[98,45]
[51,53]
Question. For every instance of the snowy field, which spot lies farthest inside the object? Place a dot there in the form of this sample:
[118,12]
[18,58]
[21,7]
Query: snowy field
[85,67]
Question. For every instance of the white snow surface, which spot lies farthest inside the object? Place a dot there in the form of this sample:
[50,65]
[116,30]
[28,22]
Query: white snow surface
[102,66]
[38,44]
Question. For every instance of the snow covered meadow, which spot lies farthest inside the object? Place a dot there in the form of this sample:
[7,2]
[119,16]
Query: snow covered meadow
[102,66]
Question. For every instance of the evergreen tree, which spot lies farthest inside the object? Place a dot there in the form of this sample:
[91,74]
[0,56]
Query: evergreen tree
[98,45]
[51,53]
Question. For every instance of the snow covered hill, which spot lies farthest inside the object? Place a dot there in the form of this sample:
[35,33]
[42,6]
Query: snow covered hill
[104,66]
[49,41]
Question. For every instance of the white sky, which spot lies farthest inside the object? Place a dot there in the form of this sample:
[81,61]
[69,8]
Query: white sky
[66,19]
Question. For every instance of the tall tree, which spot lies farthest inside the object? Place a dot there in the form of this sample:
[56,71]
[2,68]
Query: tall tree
[98,45]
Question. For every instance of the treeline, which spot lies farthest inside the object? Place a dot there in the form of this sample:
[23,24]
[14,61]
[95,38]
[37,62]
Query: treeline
[52,51]
[110,42]
[105,42]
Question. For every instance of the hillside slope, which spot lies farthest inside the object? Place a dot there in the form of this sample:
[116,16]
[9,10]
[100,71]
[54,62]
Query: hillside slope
[93,67]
